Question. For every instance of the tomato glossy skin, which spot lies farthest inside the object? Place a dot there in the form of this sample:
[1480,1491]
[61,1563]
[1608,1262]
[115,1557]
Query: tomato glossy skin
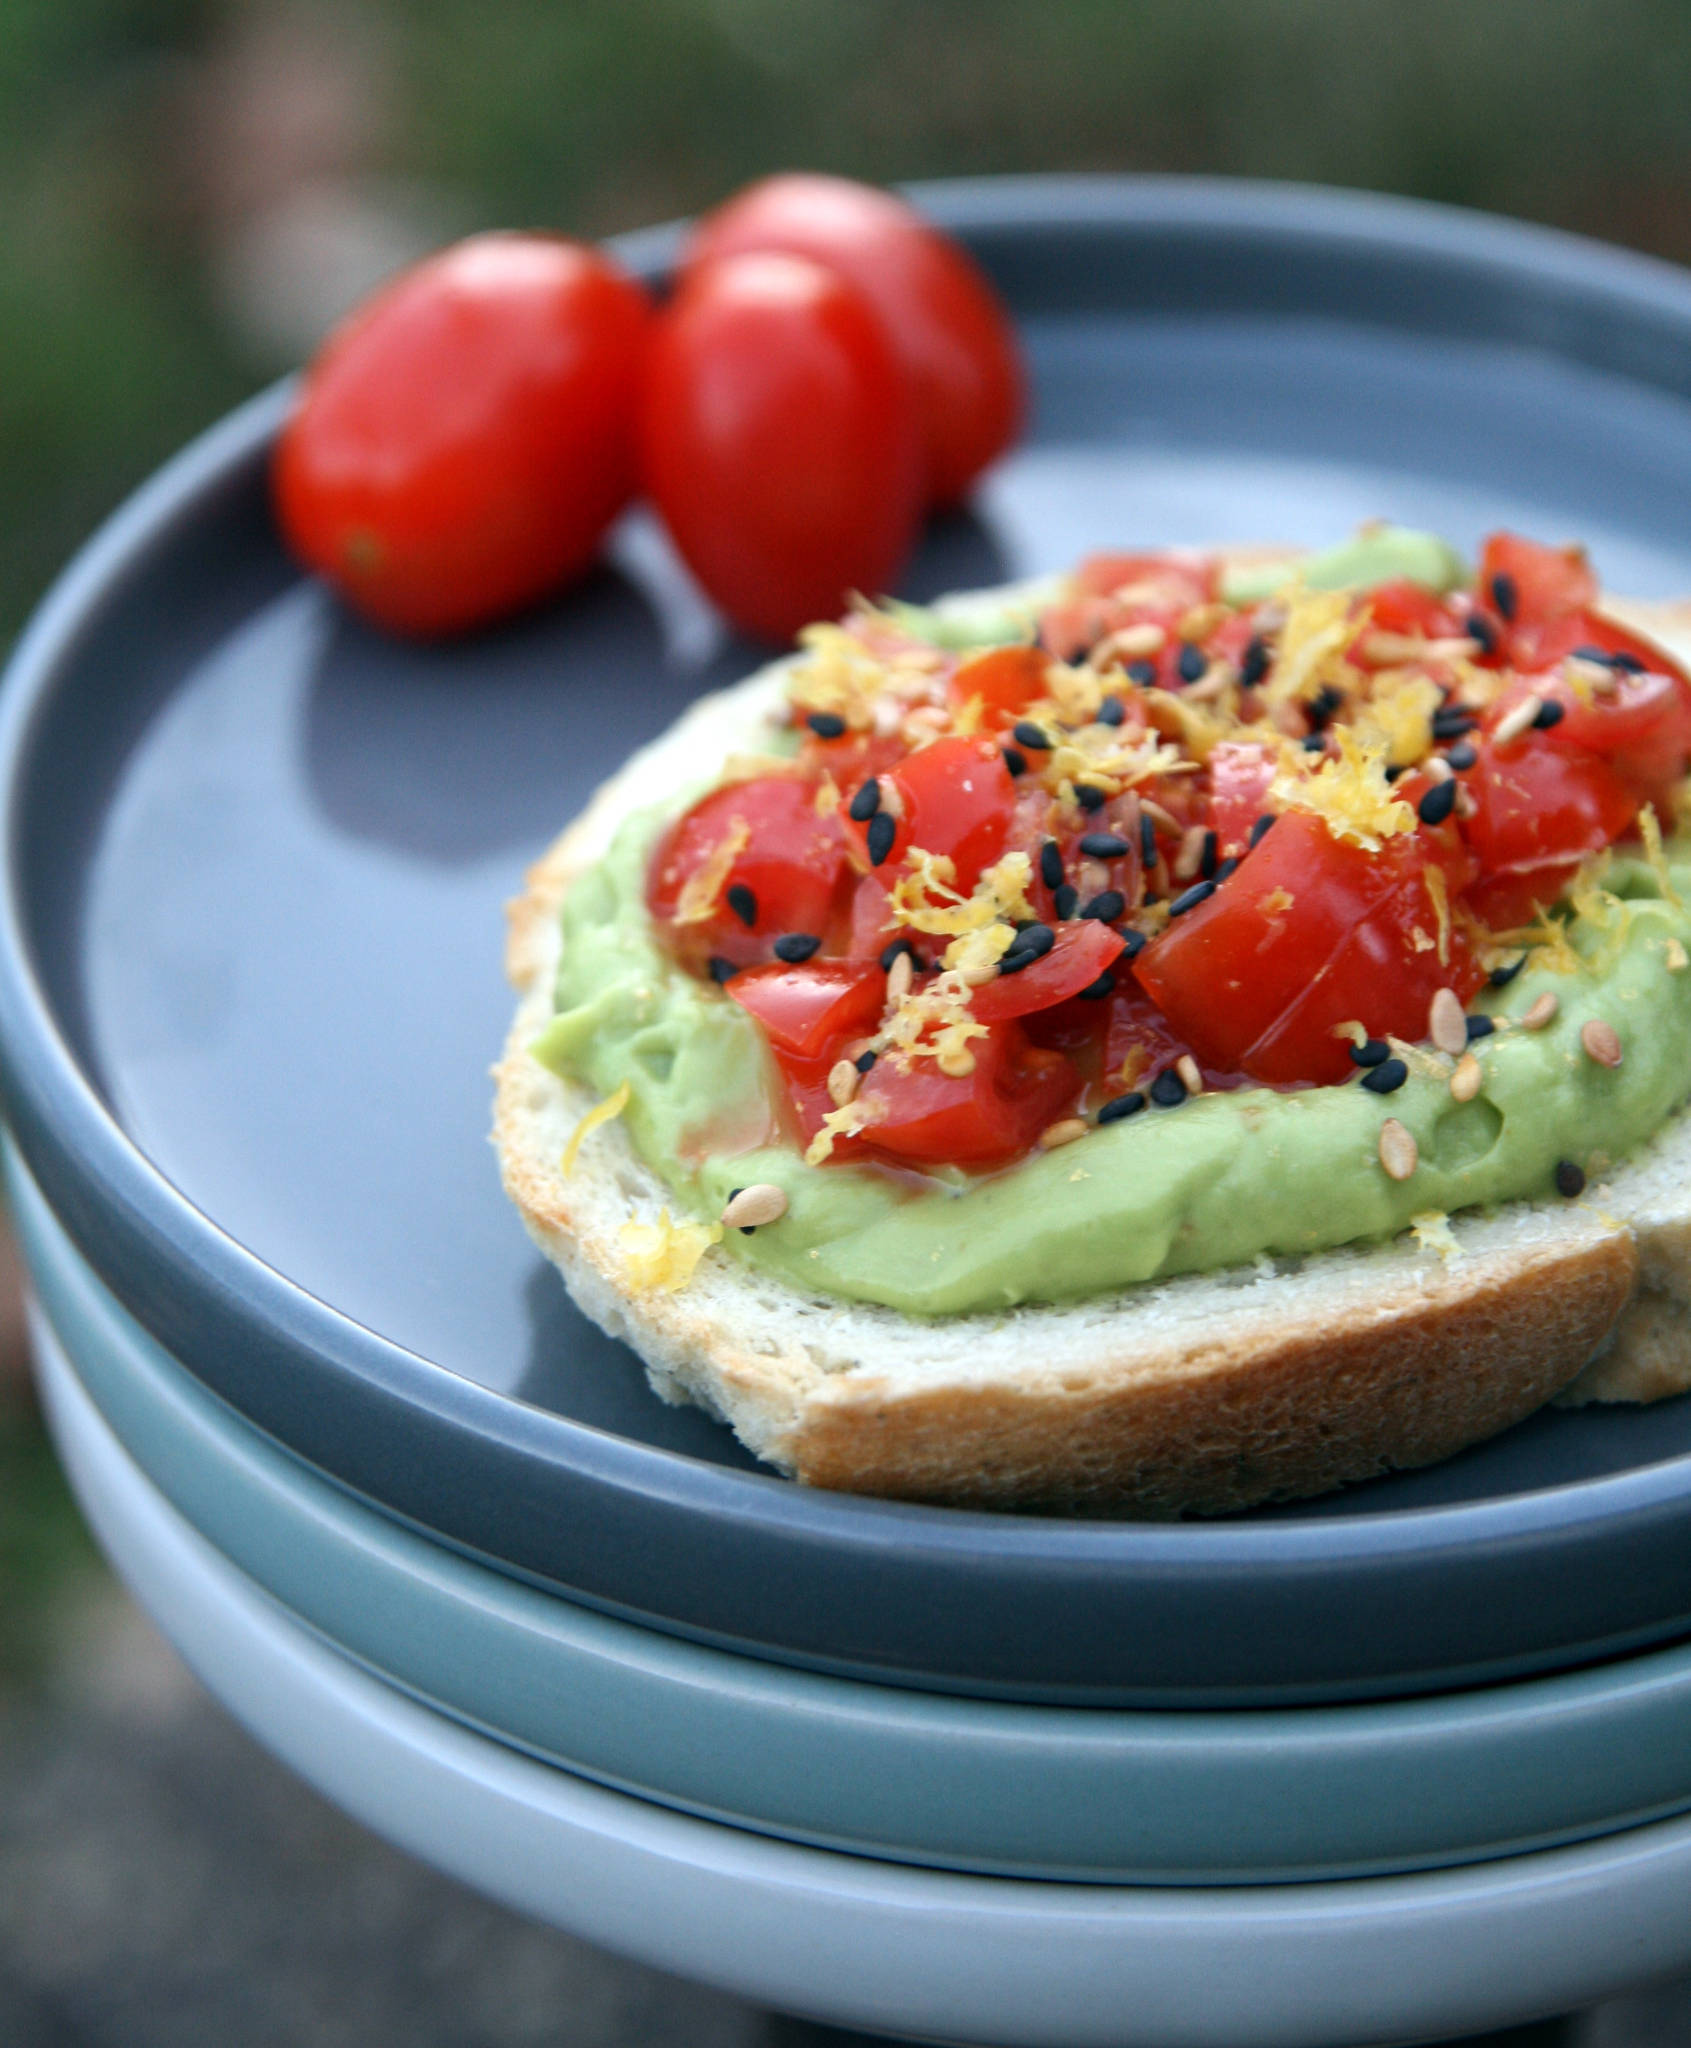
[1538,810]
[1256,990]
[793,861]
[780,441]
[952,335]
[1400,606]
[984,1118]
[1005,680]
[1239,774]
[955,799]
[1083,950]
[462,442]
[810,1009]
[1539,585]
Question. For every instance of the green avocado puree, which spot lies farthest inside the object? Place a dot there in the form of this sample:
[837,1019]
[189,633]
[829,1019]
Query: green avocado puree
[1222,1179]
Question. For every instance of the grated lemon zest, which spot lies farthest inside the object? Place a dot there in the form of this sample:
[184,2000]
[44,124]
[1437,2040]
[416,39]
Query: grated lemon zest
[827,798]
[661,1257]
[1438,895]
[1399,716]
[1349,794]
[1434,1234]
[601,1113]
[1318,633]
[1650,831]
[845,1122]
[702,890]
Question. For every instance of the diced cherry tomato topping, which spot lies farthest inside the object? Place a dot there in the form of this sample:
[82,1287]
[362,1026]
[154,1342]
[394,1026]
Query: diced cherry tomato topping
[1080,955]
[809,1008]
[1538,810]
[983,1118]
[1401,606]
[1239,777]
[955,798]
[792,861]
[1309,934]
[1006,680]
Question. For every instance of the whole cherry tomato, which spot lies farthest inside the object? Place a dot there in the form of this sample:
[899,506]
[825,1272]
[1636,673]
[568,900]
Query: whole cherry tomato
[947,324]
[462,442]
[780,440]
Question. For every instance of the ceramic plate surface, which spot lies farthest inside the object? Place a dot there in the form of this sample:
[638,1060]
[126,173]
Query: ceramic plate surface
[249,966]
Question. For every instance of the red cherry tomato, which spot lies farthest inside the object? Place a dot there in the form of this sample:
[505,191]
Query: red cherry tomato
[1082,952]
[951,333]
[462,442]
[955,799]
[1311,932]
[1005,679]
[983,1118]
[779,440]
[1538,810]
[790,863]
[1240,773]
[1401,606]
[809,1009]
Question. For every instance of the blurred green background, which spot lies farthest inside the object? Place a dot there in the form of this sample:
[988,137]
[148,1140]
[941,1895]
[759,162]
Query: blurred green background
[192,190]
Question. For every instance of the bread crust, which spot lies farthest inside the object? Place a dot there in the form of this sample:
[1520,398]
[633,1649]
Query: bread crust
[1196,1395]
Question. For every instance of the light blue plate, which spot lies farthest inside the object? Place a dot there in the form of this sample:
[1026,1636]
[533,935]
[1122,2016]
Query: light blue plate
[1165,1798]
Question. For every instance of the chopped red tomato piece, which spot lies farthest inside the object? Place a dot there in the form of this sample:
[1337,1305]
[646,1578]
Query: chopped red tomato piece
[787,868]
[1240,773]
[1531,589]
[1006,680]
[1310,933]
[1538,810]
[1081,953]
[983,1118]
[1407,608]
[809,1009]
[954,798]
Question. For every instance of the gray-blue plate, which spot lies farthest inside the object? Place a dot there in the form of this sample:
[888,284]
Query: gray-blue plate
[249,986]
[1088,1795]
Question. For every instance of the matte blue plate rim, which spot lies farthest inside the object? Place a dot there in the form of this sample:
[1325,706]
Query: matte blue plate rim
[1293,1795]
[465,1445]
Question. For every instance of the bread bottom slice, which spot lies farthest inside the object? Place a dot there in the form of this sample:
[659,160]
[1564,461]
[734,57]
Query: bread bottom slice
[1200,1394]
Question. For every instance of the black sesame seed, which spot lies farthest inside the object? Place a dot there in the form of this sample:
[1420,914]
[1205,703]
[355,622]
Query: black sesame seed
[1168,1091]
[883,830]
[1226,868]
[1119,1106]
[827,725]
[1438,802]
[1096,991]
[865,1060]
[722,970]
[1481,629]
[1630,662]
[1015,760]
[1550,713]
[1033,737]
[1051,864]
[1254,666]
[1570,1179]
[796,946]
[1462,755]
[1500,977]
[1190,662]
[1034,940]
[1320,708]
[1262,825]
[1132,943]
[891,951]
[1207,859]
[1104,845]
[1372,1052]
[1395,772]
[1386,1077]
[1189,899]
[1451,722]
[746,1229]
[1314,743]
[1064,899]
[1088,798]
[1144,673]
[1107,906]
[1600,655]
[1147,843]
[1479,1027]
[1112,711]
[743,904]
[865,803]
[1506,594]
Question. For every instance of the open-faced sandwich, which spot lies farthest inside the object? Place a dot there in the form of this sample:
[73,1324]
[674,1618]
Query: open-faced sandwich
[1197,1031]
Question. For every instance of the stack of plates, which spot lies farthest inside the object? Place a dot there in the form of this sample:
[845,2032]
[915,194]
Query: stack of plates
[1392,1764]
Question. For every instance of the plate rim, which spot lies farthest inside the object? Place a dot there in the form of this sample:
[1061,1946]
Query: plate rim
[159,1252]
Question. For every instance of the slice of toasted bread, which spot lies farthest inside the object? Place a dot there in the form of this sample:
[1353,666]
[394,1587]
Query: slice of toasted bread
[1197,1394]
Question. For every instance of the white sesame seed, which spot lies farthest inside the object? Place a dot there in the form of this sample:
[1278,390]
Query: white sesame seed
[1465,804]
[1602,1041]
[1437,768]
[1517,720]
[1398,1152]
[899,977]
[1191,855]
[1466,1078]
[956,1061]
[843,1078]
[1063,1132]
[1190,1072]
[1447,1026]
[764,1203]
[1543,1009]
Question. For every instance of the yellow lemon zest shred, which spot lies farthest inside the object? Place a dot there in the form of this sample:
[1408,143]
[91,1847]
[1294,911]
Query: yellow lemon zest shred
[601,1113]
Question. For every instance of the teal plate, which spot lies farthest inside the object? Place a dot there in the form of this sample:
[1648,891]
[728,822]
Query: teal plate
[1081,1794]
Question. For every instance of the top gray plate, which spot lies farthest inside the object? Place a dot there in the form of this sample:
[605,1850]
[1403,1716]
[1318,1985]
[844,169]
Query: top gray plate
[249,981]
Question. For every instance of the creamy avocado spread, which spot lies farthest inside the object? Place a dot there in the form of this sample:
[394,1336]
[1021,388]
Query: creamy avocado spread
[1224,1178]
